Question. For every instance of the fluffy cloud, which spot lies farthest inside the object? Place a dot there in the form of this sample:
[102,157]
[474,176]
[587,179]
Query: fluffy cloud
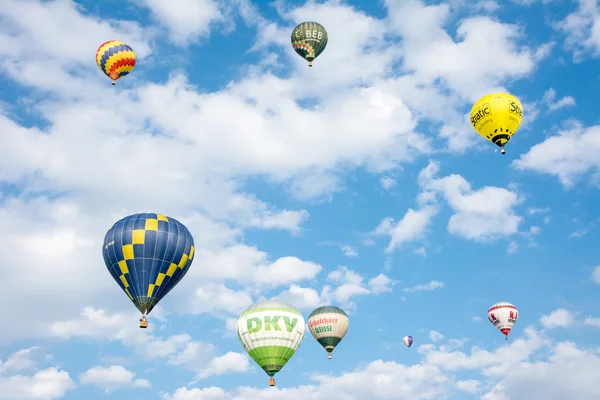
[44,384]
[507,372]
[343,286]
[435,336]
[178,349]
[227,363]
[112,378]
[560,318]
[485,214]
[410,227]
[553,104]
[185,21]
[582,28]
[432,285]
[21,360]
[596,275]
[568,155]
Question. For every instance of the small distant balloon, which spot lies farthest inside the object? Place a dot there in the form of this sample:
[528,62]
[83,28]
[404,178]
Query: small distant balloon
[116,59]
[329,325]
[503,316]
[408,341]
[309,39]
[496,117]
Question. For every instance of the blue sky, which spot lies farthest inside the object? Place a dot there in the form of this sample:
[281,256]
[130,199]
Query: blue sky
[358,182]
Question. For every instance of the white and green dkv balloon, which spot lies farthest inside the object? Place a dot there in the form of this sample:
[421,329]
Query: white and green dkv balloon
[271,332]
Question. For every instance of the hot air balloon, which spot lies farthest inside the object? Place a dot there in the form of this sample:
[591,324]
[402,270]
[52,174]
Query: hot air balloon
[309,39]
[497,117]
[408,341]
[328,325]
[271,332]
[115,59]
[147,255]
[503,316]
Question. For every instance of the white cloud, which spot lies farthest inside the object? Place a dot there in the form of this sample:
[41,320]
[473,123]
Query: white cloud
[484,214]
[345,285]
[21,360]
[185,20]
[435,336]
[422,251]
[387,183]
[530,2]
[380,284]
[247,265]
[592,321]
[568,155]
[112,378]
[432,285]
[553,104]
[579,233]
[538,210]
[567,370]
[211,298]
[596,275]
[178,349]
[469,386]
[507,372]
[225,364]
[411,227]
[348,250]
[487,5]
[582,28]
[303,298]
[466,65]
[209,393]
[47,384]
[560,318]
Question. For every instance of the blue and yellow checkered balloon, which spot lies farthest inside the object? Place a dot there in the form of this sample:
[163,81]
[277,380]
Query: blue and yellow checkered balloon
[147,255]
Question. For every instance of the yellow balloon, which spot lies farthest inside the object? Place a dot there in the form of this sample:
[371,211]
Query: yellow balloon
[497,117]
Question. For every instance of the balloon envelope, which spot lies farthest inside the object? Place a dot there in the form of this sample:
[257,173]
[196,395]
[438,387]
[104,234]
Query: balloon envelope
[115,59]
[496,117]
[503,316]
[147,255]
[309,39]
[408,341]
[271,331]
[328,325]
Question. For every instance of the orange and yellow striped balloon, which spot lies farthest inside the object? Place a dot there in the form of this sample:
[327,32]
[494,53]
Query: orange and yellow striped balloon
[115,59]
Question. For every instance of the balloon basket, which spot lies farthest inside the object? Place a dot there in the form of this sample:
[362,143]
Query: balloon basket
[143,323]
[272,382]
[113,83]
[310,63]
[329,356]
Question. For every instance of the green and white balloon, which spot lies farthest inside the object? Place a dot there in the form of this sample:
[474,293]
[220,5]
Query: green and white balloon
[271,332]
[328,324]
